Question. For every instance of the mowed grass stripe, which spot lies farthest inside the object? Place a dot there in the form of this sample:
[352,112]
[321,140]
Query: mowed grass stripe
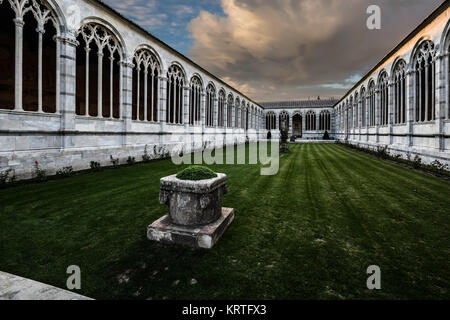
[308,232]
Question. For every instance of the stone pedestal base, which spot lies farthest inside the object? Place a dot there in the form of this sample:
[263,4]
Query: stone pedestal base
[205,237]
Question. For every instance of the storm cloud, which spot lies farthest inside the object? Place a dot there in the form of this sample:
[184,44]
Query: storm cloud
[293,49]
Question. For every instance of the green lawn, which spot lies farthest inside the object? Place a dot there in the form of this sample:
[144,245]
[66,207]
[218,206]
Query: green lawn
[309,232]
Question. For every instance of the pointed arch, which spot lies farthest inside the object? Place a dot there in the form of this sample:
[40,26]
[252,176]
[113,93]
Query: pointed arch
[221,108]
[230,106]
[210,103]
[29,77]
[383,88]
[399,88]
[196,91]
[425,70]
[98,70]
[145,84]
[175,97]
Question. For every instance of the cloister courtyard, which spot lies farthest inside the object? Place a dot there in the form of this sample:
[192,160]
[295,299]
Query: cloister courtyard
[309,232]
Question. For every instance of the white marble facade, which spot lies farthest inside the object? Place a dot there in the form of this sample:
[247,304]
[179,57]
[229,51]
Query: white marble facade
[403,103]
[75,133]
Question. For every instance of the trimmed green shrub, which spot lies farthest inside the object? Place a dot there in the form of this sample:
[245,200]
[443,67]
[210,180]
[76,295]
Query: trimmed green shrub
[196,173]
[95,166]
[65,172]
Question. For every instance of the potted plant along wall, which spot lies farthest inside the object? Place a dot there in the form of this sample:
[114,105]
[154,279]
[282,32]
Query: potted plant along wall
[196,217]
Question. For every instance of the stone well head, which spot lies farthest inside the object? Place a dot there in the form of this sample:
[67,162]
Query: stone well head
[193,203]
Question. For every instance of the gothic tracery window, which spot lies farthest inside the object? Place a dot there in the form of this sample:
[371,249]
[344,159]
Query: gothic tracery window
[210,99]
[270,121]
[350,114]
[28,77]
[98,72]
[221,109]
[230,111]
[196,91]
[325,120]
[310,120]
[425,81]
[383,87]
[371,104]
[174,102]
[237,111]
[399,88]
[146,73]
[243,115]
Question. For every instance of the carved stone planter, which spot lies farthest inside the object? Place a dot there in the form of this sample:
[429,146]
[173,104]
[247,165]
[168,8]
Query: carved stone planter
[193,203]
[196,217]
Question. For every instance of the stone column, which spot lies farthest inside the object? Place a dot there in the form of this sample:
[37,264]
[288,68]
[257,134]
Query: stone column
[303,123]
[360,115]
[126,98]
[100,83]
[317,122]
[18,63]
[377,113]
[40,30]
[216,113]
[440,100]
[233,121]
[410,104]
[202,110]
[225,119]
[162,99]
[67,85]
[145,92]
[186,91]
[291,129]
[391,111]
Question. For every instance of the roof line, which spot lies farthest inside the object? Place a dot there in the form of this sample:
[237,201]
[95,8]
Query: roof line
[439,9]
[168,47]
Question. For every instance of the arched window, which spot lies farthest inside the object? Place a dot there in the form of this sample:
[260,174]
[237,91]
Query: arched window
[174,103]
[283,119]
[230,111]
[270,121]
[356,111]
[383,86]
[210,98]
[98,73]
[243,115]
[363,107]
[36,87]
[310,120]
[399,78]
[237,111]
[221,109]
[371,97]
[350,114]
[145,86]
[324,120]
[425,81]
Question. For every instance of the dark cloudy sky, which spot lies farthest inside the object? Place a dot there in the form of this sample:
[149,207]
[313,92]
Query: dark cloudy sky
[280,49]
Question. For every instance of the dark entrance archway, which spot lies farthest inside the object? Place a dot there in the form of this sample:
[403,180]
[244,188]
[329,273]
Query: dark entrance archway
[297,125]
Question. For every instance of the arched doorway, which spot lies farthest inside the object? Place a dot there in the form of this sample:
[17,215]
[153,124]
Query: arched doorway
[297,125]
